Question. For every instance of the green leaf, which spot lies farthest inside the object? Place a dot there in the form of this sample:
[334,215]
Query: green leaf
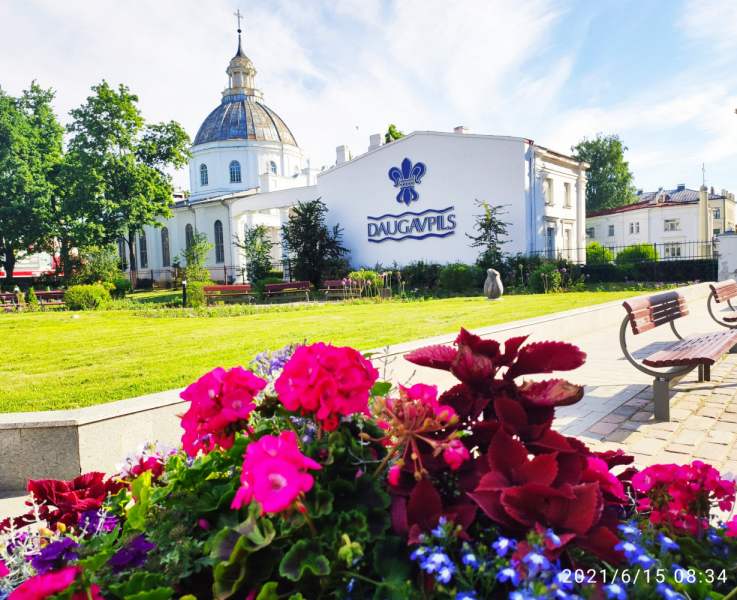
[159,494]
[93,563]
[392,564]
[305,555]
[381,388]
[319,504]
[354,525]
[296,596]
[268,592]
[141,490]
[143,586]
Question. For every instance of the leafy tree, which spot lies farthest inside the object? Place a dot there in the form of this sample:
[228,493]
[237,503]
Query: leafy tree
[596,254]
[392,134]
[491,229]
[609,178]
[116,167]
[196,256]
[101,263]
[30,151]
[256,249]
[637,253]
[314,248]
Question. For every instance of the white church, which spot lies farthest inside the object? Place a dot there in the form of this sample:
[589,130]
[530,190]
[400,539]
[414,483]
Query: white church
[411,199]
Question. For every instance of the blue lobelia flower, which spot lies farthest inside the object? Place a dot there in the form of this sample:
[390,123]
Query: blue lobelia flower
[466,595]
[406,179]
[666,543]
[419,552]
[470,559]
[503,545]
[645,561]
[668,592]
[445,573]
[630,549]
[508,574]
[536,562]
[56,555]
[550,534]
[436,561]
[630,530]
[615,590]
[563,581]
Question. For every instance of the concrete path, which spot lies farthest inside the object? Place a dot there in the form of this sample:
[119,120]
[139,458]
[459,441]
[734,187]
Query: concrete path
[617,410]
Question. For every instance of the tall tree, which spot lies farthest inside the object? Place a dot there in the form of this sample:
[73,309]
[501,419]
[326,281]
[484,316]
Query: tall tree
[392,134]
[256,248]
[30,151]
[609,178]
[116,167]
[491,229]
[314,248]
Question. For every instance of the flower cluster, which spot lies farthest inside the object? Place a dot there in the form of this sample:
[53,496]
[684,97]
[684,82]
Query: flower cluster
[683,496]
[49,584]
[270,363]
[56,555]
[132,556]
[274,473]
[221,401]
[147,457]
[326,382]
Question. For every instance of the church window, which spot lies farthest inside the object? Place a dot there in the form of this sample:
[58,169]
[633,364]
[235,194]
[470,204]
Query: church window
[122,247]
[165,254]
[272,167]
[219,246]
[189,236]
[235,172]
[203,175]
[143,249]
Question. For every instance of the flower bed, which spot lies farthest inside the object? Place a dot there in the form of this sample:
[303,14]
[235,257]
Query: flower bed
[305,476]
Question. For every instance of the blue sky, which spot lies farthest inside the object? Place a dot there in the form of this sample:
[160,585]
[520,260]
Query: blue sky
[661,74]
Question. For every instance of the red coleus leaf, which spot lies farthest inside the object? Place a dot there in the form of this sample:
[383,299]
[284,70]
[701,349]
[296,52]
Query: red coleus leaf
[600,542]
[491,504]
[551,440]
[493,482]
[506,454]
[487,348]
[541,469]
[511,413]
[511,350]
[554,392]
[614,458]
[527,503]
[435,357]
[546,357]
[399,515]
[465,401]
[424,503]
[471,367]
[569,469]
[575,514]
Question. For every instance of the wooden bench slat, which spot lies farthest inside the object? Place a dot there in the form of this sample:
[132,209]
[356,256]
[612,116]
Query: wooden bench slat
[649,312]
[724,290]
[696,349]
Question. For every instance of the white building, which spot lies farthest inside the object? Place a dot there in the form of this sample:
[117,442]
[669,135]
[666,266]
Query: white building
[408,200]
[668,218]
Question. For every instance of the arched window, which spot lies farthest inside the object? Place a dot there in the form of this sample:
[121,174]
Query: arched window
[203,175]
[166,256]
[122,247]
[219,247]
[235,172]
[189,236]
[272,167]
[143,249]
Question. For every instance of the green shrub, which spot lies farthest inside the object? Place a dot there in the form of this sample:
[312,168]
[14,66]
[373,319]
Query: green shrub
[637,253]
[122,287]
[32,300]
[421,274]
[275,275]
[87,297]
[101,263]
[596,254]
[545,279]
[195,294]
[459,277]
[144,283]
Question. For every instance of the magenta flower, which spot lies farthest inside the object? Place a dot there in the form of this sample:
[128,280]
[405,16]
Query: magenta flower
[274,473]
[43,586]
[4,571]
[394,475]
[455,453]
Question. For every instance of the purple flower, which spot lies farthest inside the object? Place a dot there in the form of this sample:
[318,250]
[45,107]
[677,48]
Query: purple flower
[615,590]
[399,276]
[56,555]
[508,574]
[97,521]
[666,543]
[134,555]
[527,274]
[503,545]
[556,541]
[536,562]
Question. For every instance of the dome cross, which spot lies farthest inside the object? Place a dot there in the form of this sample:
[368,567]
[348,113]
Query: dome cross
[239,16]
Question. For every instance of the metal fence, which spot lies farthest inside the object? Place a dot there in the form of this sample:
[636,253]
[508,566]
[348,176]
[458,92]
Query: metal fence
[635,253]
[224,274]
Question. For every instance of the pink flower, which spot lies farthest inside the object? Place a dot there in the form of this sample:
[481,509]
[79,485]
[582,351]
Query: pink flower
[455,453]
[732,527]
[598,471]
[43,586]
[326,381]
[4,571]
[221,401]
[204,524]
[394,475]
[274,473]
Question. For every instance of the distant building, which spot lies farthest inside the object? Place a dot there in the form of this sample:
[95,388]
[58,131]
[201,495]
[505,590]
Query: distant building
[666,217]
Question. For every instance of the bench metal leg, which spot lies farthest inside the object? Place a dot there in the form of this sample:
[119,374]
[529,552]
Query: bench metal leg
[701,373]
[707,372]
[661,399]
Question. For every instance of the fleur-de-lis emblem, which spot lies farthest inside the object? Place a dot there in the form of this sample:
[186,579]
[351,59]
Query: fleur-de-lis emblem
[406,179]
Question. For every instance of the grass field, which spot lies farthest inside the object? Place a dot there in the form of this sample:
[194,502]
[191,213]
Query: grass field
[53,361]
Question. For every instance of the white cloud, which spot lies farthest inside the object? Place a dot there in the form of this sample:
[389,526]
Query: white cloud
[711,22]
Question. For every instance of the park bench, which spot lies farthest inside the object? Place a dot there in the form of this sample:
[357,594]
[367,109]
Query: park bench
[700,350]
[227,292]
[723,291]
[282,290]
[8,299]
[340,288]
[51,298]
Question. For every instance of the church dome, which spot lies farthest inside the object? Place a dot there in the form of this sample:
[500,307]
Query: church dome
[243,117]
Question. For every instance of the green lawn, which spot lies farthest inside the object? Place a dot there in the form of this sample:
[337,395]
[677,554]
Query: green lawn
[52,361]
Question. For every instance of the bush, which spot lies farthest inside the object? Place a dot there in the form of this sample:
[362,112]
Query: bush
[545,279]
[195,294]
[421,274]
[275,275]
[597,254]
[87,297]
[122,287]
[100,264]
[637,253]
[459,277]
[32,300]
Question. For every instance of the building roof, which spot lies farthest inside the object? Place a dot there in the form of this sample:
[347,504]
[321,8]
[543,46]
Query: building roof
[243,118]
[678,197]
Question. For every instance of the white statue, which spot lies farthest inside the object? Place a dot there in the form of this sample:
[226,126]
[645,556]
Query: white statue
[493,287]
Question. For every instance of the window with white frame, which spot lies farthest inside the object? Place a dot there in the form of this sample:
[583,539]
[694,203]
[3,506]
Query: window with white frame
[143,249]
[591,232]
[637,227]
[235,172]
[219,245]
[632,227]
[203,175]
[718,212]
[272,167]
[189,236]
[567,195]
[550,242]
[672,250]
[568,238]
[611,230]
[165,252]
[548,191]
[672,224]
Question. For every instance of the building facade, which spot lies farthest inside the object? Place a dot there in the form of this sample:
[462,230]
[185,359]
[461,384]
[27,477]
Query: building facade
[413,199]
